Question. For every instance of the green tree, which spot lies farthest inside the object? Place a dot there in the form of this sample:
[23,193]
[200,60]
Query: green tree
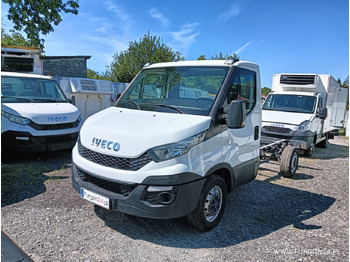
[127,64]
[265,91]
[346,82]
[96,75]
[36,17]
[219,57]
[14,39]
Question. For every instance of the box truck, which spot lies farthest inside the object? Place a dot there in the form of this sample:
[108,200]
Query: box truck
[35,115]
[307,109]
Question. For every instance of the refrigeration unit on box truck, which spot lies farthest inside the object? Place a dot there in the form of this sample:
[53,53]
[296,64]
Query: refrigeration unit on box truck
[308,109]
[164,151]
[35,115]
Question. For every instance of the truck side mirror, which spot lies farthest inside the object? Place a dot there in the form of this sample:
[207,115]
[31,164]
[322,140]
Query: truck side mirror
[322,113]
[236,114]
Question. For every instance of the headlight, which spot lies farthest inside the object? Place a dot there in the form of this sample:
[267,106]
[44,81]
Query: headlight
[169,151]
[304,126]
[15,119]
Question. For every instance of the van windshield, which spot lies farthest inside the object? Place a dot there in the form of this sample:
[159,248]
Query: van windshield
[30,89]
[290,103]
[188,90]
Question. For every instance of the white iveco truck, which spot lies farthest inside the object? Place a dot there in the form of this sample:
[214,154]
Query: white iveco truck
[179,139]
[35,115]
[307,109]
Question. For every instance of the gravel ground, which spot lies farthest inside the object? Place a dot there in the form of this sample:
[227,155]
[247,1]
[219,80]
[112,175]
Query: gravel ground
[270,219]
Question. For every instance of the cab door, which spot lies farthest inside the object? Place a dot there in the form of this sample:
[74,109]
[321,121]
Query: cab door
[241,146]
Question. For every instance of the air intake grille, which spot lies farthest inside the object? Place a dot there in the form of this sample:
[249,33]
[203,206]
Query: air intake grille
[54,126]
[297,79]
[131,164]
[121,189]
[276,129]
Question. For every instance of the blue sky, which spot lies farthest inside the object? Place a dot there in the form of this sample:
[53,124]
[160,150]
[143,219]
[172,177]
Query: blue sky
[300,36]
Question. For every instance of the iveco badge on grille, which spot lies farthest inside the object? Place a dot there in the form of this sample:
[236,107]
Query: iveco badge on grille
[105,144]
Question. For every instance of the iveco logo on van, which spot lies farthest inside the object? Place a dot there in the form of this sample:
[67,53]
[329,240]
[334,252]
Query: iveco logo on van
[52,119]
[105,144]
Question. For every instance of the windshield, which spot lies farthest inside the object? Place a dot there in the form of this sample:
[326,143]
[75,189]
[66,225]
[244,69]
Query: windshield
[290,103]
[188,90]
[28,90]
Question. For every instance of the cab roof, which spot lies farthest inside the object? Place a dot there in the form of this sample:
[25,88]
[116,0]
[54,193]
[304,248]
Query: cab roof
[25,75]
[227,63]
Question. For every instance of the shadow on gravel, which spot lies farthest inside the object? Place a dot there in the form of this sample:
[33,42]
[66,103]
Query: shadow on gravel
[25,177]
[253,211]
[331,152]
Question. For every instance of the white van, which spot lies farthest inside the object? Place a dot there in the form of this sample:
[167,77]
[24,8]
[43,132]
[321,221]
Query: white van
[308,109]
[164,154]
[35,115]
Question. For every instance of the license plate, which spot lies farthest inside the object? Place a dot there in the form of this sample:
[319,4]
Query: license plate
[95,198]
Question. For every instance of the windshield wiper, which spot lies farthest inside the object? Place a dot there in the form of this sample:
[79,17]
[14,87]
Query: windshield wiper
[132,102]
[47,100]
[172,107]
[18,98]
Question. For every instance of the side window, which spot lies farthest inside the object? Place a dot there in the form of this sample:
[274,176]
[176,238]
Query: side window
[243,87]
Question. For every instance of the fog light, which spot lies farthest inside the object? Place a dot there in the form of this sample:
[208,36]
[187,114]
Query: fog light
[166,198]
[160,195]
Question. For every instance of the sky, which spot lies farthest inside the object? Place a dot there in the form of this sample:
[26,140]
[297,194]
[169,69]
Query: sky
[282,36]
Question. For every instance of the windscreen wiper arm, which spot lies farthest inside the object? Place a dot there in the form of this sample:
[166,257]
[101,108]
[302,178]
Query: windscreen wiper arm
[131,102]
[172,107]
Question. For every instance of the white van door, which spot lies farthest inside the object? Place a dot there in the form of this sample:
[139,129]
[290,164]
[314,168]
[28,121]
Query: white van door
[241,146]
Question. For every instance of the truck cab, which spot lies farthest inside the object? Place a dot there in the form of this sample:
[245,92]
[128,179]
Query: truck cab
[35,115]
[179,139]
[306,109]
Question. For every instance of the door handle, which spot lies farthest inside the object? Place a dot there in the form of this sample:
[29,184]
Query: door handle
[256,133]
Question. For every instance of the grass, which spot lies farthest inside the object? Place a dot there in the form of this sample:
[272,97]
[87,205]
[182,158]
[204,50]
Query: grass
[261,219]
[15,177]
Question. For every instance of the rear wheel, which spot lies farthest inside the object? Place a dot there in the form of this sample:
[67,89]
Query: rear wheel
[211,205]
[308,152]
[324,143]
[289,161]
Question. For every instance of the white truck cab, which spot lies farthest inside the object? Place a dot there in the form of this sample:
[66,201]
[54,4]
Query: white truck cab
[307,109]
[163,152]
[35,115]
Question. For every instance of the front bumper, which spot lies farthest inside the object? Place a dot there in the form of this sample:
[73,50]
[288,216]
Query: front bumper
[299,139]
[143,200]
[14,141]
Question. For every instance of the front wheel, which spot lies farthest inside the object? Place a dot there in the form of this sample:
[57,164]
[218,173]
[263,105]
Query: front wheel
[211,205]
[289,161]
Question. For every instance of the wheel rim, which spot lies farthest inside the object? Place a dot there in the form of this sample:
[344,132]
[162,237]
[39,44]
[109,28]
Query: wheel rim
[294,163]
[213,204]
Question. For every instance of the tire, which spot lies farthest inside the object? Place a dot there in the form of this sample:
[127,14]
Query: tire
[324,143]
[211,205]
[310,151]
[289,161]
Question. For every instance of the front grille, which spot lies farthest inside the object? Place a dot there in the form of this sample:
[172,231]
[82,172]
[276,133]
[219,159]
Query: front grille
[277,129]
[132,164]
[55,126]
[121,189]
[297,79]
